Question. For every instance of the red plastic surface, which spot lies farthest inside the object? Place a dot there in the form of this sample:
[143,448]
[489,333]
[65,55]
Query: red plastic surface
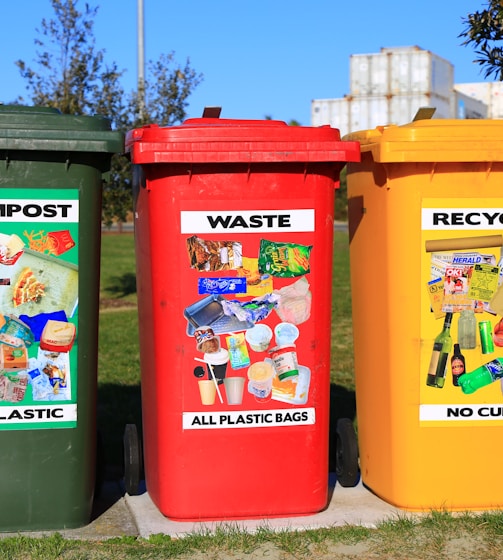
[264,457]
[226,141]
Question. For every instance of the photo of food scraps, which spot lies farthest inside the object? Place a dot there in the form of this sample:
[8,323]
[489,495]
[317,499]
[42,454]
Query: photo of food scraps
[35,340]
[34,358]
[29,272]
[208,255]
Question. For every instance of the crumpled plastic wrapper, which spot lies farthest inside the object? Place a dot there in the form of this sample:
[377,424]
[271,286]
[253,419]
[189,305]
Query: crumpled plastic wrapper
[15,332]
[294,305]
[13,386]
[252,311]
[285,260]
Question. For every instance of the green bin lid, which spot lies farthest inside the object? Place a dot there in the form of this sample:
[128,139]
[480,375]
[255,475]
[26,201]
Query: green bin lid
[435,140]
[47,129]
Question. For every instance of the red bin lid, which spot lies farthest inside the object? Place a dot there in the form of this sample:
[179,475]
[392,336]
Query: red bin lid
[215,140]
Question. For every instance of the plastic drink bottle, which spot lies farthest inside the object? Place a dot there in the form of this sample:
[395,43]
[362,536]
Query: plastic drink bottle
[467,329]
[482,376]
[441,348]
[457,365]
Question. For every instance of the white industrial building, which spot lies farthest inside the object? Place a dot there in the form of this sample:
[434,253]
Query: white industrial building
[488,93]
[389,87]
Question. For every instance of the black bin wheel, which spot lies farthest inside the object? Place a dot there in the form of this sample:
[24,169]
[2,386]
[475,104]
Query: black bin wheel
[132,460]
[346,467]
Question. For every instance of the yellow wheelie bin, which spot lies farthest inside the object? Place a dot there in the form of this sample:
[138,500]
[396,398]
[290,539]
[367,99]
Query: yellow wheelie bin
[426,234]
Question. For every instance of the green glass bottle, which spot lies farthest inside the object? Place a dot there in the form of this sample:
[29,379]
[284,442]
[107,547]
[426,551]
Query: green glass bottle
[482,376]
[440,355]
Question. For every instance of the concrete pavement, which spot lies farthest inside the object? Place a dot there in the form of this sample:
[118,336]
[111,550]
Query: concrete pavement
[117,514]
[347,506]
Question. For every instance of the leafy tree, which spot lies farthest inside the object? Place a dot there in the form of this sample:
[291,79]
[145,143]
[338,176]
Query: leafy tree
[71,74]
[484,31]
[70,67]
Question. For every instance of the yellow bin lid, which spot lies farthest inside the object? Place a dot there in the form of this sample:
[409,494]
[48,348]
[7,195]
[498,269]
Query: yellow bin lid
[436,140]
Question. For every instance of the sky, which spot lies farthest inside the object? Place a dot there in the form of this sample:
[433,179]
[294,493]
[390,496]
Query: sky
[258,58]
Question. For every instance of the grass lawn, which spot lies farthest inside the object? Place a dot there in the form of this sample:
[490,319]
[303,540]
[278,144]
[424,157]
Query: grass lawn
[118,352]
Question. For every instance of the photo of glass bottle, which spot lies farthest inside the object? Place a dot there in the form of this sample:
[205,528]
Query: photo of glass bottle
[441,347]
[457,365]
[467,329]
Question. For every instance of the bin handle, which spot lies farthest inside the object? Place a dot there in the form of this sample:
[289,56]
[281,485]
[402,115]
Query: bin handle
[424,113]
[212,112]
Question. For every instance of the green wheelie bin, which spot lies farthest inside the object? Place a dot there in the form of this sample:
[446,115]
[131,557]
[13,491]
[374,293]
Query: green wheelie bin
[50,230]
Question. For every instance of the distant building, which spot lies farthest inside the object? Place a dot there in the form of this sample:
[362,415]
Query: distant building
[389,87]
[488,93]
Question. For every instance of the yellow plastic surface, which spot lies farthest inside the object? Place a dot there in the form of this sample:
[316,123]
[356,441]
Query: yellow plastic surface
[406,173]
[440,140]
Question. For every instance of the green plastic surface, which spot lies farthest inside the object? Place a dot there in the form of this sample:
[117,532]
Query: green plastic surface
[47,476]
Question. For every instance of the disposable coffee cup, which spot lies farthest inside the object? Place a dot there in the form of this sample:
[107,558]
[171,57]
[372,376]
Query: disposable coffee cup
[207,391]
[218,362]
[234,389]
[259,337]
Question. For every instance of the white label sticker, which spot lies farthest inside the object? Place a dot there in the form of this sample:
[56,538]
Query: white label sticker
[460,412]
[461,218]
[34,210]
[249,221]
[248,419]
[38,414]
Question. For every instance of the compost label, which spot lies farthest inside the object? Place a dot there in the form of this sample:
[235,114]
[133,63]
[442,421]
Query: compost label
[38,308]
